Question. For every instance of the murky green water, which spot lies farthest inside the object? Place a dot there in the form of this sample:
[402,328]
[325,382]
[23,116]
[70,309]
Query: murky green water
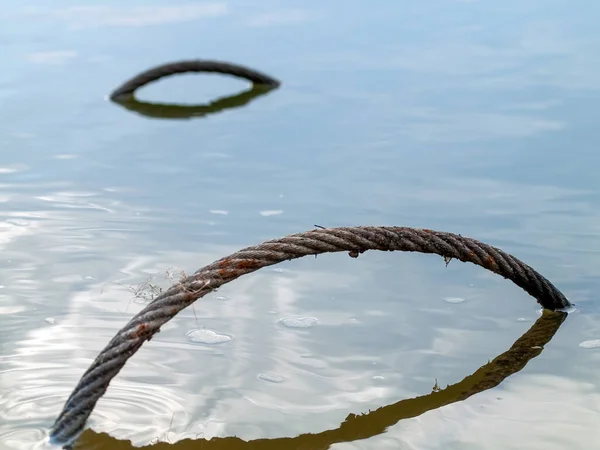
[479,118]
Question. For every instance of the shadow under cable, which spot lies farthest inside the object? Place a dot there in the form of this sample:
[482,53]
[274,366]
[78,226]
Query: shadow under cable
[186,112]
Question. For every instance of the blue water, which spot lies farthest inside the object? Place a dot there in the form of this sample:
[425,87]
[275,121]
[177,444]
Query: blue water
[474,117]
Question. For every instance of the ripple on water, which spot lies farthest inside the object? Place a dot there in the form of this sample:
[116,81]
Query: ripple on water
[299,322]
[35,439]
[27,409]
[139,411]
[208,337]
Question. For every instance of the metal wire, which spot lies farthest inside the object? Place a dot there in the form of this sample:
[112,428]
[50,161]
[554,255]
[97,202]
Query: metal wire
[95,381]
[197,65]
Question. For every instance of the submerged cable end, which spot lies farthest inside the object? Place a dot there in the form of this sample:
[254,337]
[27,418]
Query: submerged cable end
[57,439]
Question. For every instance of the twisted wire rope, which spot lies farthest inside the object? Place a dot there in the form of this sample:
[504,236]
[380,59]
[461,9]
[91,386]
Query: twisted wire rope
[196,65]
[95,381]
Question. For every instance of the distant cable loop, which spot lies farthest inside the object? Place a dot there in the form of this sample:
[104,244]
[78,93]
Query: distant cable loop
[95,381]
[179,67]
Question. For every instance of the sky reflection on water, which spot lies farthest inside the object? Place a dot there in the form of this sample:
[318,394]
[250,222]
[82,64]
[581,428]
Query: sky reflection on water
[463,116]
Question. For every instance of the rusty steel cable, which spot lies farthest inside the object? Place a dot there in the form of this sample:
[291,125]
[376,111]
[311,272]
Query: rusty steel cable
[198,65]
[95,381]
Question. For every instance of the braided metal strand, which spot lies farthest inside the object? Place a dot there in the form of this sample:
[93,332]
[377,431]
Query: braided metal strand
[94,382]
[197,65]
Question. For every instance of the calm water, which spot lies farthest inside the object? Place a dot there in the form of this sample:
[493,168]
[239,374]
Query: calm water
[479,118]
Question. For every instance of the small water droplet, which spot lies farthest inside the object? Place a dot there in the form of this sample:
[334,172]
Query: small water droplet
[208,337]
[278,270]
[222,298]
[299,322]
[454,299]
[50,320]
[270,377]
[522,319]
[594,343]
[378,377]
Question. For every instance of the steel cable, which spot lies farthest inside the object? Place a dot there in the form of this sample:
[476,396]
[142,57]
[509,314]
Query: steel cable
[95,381]
[196,65]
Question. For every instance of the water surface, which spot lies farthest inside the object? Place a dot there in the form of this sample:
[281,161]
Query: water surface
[470,117]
